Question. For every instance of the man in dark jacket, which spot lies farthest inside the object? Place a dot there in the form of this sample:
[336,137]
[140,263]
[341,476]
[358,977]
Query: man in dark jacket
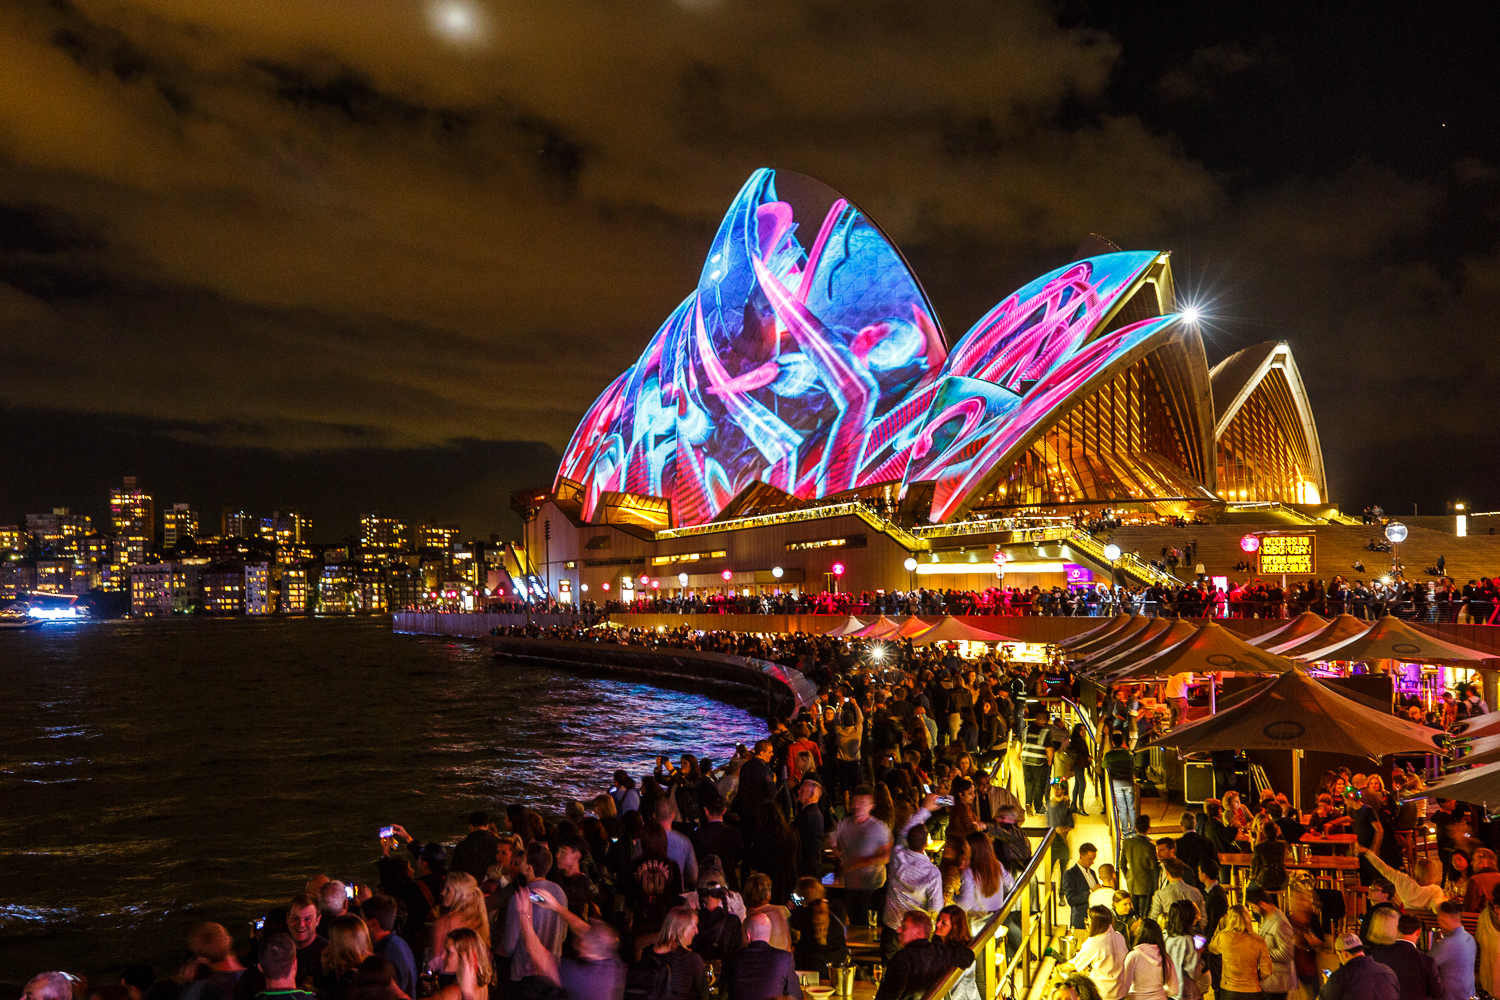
[1359,977]
[921,963]
[1077,882]
[1416,972]
[758,971]
[809,826]
[1193,848]
[757,785]
[476,852]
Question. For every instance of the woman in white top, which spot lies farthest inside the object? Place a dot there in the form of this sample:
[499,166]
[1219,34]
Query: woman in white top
[1102,956]
[1149,974]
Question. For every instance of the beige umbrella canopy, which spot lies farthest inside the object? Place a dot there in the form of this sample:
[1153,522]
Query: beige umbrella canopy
[1174,633]
[1132,626]
[880,628]
[849,626]
[1480,786]
[1297,712]
[1337,630]
[1480,725]
[1114,624]
[1300,627]
[1485,750]
[1393,639]
[950,629]
[1154,628]
[1213,648]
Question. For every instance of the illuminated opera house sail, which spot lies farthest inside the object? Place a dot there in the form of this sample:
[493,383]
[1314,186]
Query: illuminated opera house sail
[808,366]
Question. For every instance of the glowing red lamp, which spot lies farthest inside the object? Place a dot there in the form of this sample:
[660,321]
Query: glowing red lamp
[1250,543]
[655,584]
[838,569]
[727,575]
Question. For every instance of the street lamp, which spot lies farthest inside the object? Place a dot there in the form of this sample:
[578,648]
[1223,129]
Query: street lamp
[1395,533]
[838,571]
[1111,552]
[777,571]
[911,569]
[682,580]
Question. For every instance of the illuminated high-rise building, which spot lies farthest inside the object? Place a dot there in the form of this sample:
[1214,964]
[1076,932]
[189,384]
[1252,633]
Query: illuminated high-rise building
[132,513]
[178,523]
[437,536]
[60,531]
[235,523]
[381,536]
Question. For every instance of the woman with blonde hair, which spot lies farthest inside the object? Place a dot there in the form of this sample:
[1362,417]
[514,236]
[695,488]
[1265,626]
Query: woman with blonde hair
[463,906]
[468,960]
[1384,926]
[1245,956]
[674,947]
[348,945]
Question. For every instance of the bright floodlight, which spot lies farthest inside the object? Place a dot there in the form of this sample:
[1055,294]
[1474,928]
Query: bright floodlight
[910,564]
[1191,315]
[1111,552]
[776,571]
[458,21]
[682,579]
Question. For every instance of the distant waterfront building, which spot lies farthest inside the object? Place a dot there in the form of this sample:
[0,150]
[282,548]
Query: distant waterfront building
[234,523]
[224,590]
[12,538]
[17,577]
[370,590]
[336,589]
[437,536]
[132,512]
[260,598]
[296,594]
[381,537]
[403,587]
[179,522]
[59,531]
[287,528]
[164,588]
[54,576]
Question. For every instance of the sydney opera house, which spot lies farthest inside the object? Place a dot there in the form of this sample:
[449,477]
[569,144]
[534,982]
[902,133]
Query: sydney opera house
[801,416]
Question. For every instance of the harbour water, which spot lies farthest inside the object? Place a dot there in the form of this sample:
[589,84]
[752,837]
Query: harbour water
[157,773]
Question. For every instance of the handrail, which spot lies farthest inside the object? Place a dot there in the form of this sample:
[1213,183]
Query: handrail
[1128,561]
[1042,909]
[1102,787]
[850,509]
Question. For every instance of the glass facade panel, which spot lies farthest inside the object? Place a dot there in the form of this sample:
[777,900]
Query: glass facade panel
[1262,454]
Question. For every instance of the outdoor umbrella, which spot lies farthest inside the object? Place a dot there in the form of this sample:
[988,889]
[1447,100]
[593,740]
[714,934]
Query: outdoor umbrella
[1393,639]
[1212,649]
[1298,712]
[1154,627]
[849,626]
[1479,725]
[912,627]
[1300,627]
[1110,626]
[1133,626]
[1485,750]
[1340,628]
[1480,786]
[950,629]
[880,628]
[1174,633]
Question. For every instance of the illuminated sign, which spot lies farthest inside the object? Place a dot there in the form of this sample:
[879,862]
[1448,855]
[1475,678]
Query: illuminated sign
[1078,574]
[847,542]
[687,557]
[1294,555]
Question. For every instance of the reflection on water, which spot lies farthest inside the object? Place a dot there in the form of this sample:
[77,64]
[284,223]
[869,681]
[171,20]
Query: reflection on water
[159,773]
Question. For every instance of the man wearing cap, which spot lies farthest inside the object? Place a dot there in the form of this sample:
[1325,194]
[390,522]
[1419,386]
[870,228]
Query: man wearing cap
[1359,977]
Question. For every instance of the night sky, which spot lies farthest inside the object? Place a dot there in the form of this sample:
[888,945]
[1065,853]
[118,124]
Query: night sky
[348,256]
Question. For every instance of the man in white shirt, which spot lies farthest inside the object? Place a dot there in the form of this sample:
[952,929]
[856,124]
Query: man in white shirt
[913,882]
[1177,696]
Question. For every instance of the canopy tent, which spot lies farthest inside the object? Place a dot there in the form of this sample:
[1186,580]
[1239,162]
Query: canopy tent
[1154,628]
[849,626]
[1212,649]
[1479,725]
[1340,628]
[1131,627]
[950,629]
[1393,639]
[911,628]
[1298,712]
[1300,627]
[1174,633]
[1480,786]
[1115,623]
[1485,750]
[880,628]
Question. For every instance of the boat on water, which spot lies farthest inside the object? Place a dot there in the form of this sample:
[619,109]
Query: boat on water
[18,623]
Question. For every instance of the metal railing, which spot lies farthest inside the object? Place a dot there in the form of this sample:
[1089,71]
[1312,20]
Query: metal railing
[852,509]
[1128,561]
[1097,773]
[1034,898]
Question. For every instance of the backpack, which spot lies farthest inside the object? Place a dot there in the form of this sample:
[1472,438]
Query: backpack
[648,979]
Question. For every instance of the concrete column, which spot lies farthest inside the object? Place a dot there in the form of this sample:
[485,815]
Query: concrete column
[1490,684]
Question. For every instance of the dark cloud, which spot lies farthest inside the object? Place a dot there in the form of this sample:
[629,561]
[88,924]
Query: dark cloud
[302,227]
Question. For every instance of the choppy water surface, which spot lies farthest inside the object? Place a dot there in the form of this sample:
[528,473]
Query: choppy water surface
[158,773]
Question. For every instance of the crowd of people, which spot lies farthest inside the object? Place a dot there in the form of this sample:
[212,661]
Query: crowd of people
[729,869]
[1477,601]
